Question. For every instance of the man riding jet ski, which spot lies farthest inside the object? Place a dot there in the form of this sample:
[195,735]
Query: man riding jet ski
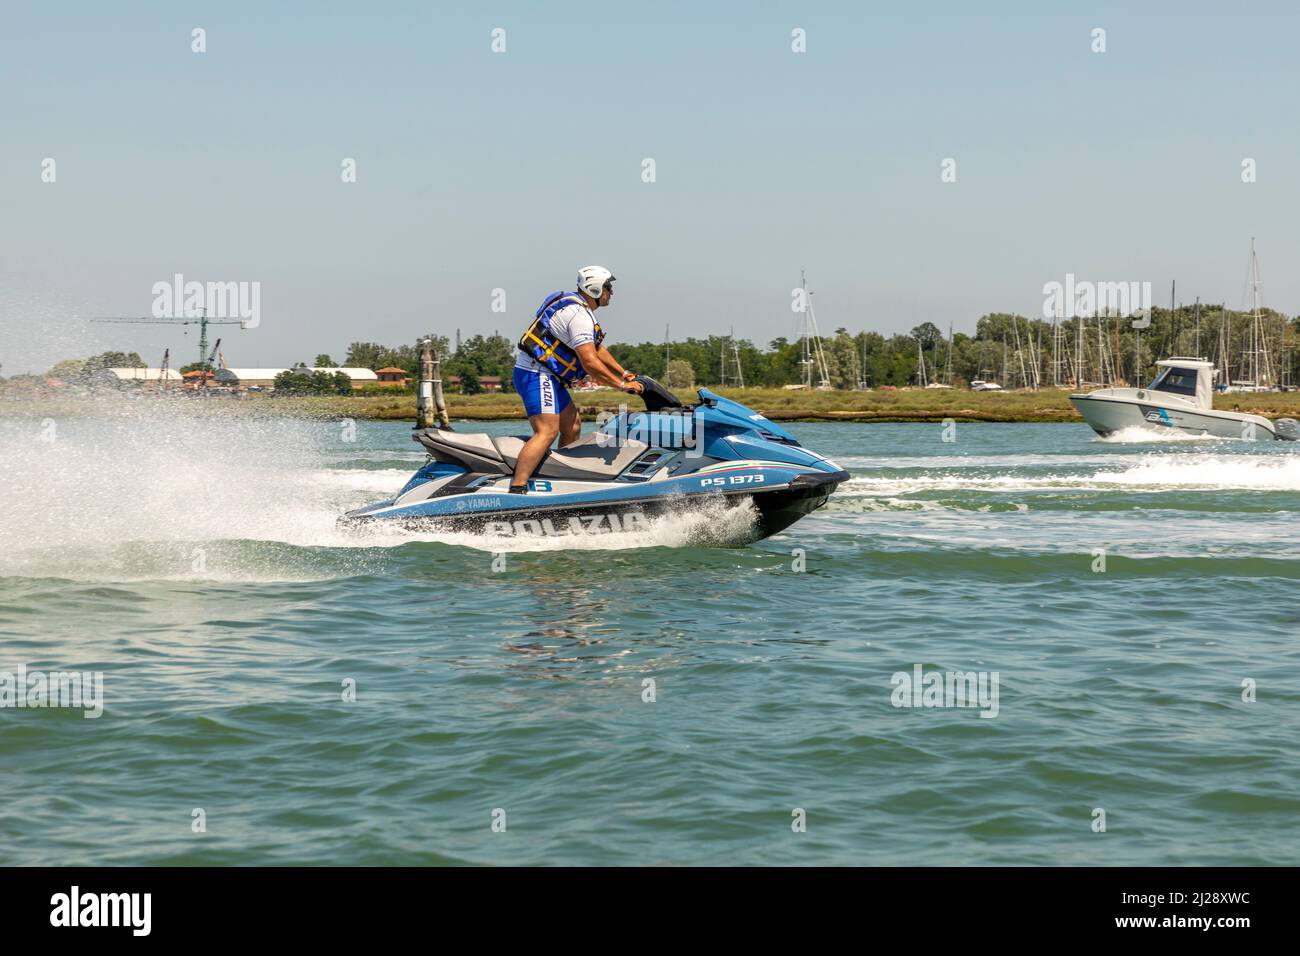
[563,345]
[669,458]
[634,466]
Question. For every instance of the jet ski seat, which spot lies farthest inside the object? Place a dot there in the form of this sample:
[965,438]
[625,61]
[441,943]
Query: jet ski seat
[584,459]
[474,451]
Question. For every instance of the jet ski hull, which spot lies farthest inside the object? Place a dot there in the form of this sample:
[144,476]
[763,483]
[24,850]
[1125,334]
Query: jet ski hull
[777,510]
[513,516]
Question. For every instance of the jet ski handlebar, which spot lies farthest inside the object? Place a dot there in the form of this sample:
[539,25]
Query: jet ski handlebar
[656,397]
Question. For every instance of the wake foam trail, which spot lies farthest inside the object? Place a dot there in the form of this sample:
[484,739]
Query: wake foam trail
[156,490]
[82,494]
[861,504]
[710,523]
[1144,436]
[1209,472]
[1157,472]
[943,462]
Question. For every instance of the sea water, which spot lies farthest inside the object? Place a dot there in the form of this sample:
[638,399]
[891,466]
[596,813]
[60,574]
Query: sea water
[279,691]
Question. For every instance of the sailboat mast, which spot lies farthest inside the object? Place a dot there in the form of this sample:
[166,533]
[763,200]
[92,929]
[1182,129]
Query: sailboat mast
[1173,316]
[1078,351]
[735,352]
[1225,345]
[947,366]
[1020,355]
[1058,346]
[1263,364]
[1038,355]
[805,362]
[1101,353]
[813,352]
[1118,354]
[1254,324]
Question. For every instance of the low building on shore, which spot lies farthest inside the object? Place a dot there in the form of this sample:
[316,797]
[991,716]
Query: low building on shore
[490,383]
[143,376]
[264,378]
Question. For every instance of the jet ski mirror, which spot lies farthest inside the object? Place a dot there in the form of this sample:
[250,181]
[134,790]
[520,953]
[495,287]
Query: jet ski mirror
[655,396]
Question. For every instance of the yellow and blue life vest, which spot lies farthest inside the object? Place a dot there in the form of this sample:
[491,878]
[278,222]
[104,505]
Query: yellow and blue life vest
[539,342]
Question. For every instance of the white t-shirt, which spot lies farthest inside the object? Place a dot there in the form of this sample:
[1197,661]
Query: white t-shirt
[573,325]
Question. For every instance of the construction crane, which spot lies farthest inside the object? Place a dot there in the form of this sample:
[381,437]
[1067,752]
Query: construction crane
[201,320]
[216,350]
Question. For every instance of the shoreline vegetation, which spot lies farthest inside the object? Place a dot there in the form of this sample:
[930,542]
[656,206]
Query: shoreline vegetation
[871,377]
[878,405]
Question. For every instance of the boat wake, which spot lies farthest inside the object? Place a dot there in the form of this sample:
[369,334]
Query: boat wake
[702,524]
[1208,472]
[1145,436]
[138,493]
[1153,473]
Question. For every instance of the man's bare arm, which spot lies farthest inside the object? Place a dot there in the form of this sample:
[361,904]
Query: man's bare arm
[612,362]
[607,373]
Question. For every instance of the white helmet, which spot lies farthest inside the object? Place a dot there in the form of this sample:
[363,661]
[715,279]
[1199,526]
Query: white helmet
[592,279]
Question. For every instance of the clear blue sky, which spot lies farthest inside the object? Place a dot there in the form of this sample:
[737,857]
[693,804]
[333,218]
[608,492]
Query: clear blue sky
[479,170]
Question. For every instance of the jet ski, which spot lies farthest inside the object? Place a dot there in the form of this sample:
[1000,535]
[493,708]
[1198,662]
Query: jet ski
[632,468]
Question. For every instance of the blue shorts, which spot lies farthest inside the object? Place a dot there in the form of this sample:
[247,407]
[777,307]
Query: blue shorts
[542,392]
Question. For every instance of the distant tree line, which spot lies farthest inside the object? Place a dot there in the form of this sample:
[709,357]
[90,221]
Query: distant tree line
[1008,348]
[82,370]
[301,380]
[477,357]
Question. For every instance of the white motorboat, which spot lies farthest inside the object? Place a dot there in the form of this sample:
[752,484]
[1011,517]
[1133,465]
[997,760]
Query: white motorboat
[1179,399]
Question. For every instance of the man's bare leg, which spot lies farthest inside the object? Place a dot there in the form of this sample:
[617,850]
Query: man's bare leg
[545,429]
[570,425]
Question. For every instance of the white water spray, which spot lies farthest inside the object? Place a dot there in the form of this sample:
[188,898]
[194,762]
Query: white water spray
[178,489]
